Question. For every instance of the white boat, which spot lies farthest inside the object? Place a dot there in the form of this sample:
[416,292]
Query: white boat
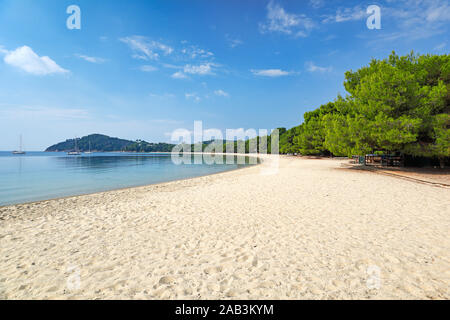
[20,151]
[76,152]
[89,152]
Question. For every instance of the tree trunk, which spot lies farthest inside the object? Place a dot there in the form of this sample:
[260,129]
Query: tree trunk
[442,163]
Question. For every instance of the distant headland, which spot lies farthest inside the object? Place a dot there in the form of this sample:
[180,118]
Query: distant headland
[104,143]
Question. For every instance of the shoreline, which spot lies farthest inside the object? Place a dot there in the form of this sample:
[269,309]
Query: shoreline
[307,231]
[260,159]
[369,170]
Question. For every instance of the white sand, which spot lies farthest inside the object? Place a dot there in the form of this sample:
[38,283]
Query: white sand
[312,231]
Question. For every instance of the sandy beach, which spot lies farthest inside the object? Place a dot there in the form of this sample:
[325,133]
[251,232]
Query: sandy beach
[313,230]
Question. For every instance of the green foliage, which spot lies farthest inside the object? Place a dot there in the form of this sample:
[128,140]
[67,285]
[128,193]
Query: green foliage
[143,146]
[287,140]
[93,142]
[313,130]
[102,143]
[400,104]
[339,136]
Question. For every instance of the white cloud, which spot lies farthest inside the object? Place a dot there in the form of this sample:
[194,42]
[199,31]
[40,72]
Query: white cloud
[330,37]
[440,46]
[192,96]
[270,72]
[148,68]
[194,52]
[179,75]
[233,42]
[278,20]
[202,69]
[221,93]
[162,96]
[3,50]
[90,59]
[24,58]
[415,14]
[171,66]
[347,14]
[146,49]
[411,19]
[311,67]
[414,20]
[195,60]
[316,3]
[438,12]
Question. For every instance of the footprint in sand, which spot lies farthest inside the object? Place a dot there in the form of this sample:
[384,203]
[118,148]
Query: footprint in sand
[242,258]
[232,293]
[213,287]
[212,270]
[168,280]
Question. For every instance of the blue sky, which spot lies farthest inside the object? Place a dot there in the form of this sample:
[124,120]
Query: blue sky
[141,69]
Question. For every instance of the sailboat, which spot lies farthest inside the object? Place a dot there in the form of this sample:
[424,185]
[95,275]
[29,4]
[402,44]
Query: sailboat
[76,152]
[89,152]
[20,148]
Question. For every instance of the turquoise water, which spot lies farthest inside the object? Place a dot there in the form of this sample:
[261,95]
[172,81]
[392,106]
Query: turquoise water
[47,175]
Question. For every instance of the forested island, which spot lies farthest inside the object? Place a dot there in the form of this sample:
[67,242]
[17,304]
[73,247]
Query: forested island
[103,143]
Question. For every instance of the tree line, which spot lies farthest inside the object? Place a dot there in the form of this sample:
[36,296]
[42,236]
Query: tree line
[93,142]
[396,105]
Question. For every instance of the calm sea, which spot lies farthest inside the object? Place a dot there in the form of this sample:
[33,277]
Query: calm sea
[47,175]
